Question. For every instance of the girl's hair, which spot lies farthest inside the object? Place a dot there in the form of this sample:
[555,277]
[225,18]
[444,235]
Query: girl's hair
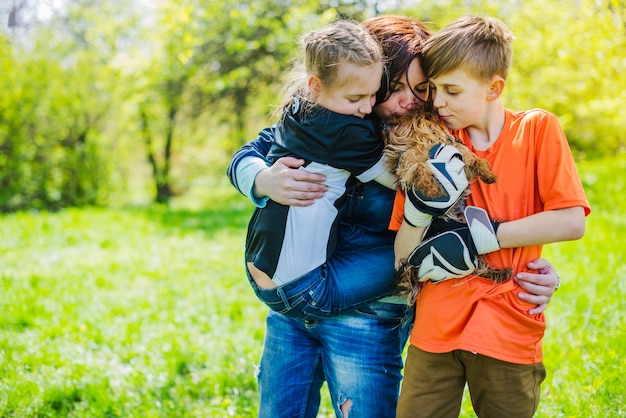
[325,50]
[402,39]
[480,46]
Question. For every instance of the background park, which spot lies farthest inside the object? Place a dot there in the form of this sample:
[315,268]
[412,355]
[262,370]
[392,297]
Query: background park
[122,291]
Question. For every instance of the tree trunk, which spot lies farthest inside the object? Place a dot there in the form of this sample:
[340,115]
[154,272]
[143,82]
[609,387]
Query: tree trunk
[160,175]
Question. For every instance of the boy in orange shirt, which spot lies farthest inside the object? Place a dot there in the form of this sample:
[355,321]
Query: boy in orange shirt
[471,330]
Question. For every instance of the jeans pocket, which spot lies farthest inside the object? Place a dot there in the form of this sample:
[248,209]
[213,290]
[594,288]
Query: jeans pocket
[317,298]
[273,299]
[385,311]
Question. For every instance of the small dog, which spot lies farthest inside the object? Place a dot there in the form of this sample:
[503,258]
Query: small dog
[409,139]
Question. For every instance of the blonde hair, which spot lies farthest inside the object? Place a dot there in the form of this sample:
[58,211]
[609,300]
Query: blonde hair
[480,46]
[325,50]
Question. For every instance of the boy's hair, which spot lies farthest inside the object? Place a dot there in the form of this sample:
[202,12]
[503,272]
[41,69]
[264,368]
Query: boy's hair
[324,52]
[480,46]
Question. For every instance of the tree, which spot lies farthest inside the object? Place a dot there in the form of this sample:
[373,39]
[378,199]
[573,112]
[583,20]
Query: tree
[211,57]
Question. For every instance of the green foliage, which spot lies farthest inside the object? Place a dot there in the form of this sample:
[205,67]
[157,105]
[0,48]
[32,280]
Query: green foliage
[145,312]
[48,159]
[127,313]
[243,48]
[101,99]
[571,63]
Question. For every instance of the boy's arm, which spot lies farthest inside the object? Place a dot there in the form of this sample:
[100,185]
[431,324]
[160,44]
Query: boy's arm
[479,237]
[414,211]
[407,239]
[557,184]
[543,228]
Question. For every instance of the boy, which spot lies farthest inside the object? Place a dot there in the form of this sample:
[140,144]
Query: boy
[470,329]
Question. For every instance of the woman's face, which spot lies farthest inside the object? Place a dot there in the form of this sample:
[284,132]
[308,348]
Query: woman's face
[402,96]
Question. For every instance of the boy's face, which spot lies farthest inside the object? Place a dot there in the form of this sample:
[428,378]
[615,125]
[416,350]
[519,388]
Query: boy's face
[357,94]
[460,99]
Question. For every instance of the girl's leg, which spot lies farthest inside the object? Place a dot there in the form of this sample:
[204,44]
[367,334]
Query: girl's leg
[361,270]
[348,280]
[359,277]
[290,373]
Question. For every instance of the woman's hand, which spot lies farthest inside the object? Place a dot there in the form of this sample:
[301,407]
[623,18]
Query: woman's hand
[540,286]
[284,183]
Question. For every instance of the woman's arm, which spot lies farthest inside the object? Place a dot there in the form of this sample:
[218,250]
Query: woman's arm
[540,286]
[282,182]
[255,149]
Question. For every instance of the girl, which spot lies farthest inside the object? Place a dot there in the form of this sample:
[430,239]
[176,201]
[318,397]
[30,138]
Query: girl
[323,122]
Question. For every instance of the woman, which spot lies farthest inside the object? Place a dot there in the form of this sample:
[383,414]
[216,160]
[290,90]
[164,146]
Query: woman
[359,354]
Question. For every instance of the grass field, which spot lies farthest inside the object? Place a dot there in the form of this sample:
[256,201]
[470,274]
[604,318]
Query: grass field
[144,312]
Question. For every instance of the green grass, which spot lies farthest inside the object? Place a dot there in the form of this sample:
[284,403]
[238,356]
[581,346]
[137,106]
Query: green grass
[145,312]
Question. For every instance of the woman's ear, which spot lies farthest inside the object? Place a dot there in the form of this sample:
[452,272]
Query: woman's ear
[315,84]
[496,87]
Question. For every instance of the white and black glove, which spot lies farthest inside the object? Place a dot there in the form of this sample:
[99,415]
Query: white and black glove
[450,249]
[446,163]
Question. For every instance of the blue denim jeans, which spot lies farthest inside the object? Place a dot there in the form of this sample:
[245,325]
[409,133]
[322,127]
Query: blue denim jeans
[358,353]
[348,280]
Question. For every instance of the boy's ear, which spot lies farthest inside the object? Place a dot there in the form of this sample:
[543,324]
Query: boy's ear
[496,87]
[315,85]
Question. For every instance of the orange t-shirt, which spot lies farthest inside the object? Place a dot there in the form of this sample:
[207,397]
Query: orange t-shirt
[536,172]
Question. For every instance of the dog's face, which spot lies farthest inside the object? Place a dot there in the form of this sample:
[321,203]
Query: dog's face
[419,126]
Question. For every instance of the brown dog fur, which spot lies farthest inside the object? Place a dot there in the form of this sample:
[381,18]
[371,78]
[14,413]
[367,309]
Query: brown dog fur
[409,139]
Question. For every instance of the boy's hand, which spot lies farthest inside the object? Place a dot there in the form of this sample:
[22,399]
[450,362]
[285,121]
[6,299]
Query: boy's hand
[482,230]
[442,257]
[447,165]
[452,249]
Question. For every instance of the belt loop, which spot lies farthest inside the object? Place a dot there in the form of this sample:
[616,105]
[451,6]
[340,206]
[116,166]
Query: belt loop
[280,292]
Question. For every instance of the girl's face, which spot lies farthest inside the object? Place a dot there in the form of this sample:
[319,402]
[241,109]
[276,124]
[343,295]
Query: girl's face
[403,95]
[355,95]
